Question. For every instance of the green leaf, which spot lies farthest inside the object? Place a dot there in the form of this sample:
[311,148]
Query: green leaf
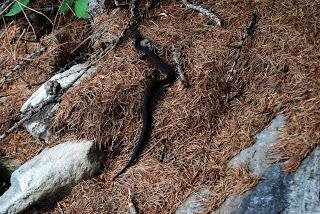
[17,7]
[81,9]
[66,4]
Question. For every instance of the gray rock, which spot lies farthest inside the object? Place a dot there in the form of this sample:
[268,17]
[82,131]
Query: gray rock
[280,192]
[269,195]
[256,155]
[194,204]
[261,198]
[50,175]
[39,125]
[304,190]
[277,192]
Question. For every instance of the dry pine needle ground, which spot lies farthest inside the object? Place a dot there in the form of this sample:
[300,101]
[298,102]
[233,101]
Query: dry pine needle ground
[278,71]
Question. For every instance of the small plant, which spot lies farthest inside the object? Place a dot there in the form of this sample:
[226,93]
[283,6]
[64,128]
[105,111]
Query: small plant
[80,7]
[17,7]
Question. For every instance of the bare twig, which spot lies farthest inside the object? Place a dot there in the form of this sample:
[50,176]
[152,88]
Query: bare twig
[60,209]
[22,63]
[5,6]
[247,32]
[25,15]
[132,207]
[204,11]
[176,55]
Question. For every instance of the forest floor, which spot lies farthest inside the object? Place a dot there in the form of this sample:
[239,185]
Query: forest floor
[196,130]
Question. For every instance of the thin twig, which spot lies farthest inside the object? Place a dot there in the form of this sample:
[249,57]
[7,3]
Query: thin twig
[22,63]
[5,6]
[204,11]
[60,208]
[24,13]
[38,12]
[176,55]
[247,32]
[17,43]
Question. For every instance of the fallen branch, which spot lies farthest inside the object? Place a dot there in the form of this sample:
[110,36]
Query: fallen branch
[204,11]
[247,32]
[176,55]
[22,63]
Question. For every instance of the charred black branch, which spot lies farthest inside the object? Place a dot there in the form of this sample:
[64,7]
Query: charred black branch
[248,31]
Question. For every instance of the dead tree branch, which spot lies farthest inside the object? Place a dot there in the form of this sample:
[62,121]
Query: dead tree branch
[176,55]
[204,11]
[248,31]
[25,61]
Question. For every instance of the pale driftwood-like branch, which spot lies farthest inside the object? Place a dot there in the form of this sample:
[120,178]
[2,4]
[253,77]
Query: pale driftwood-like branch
[22,63]
[176,55]
[247,32]
[204,11]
